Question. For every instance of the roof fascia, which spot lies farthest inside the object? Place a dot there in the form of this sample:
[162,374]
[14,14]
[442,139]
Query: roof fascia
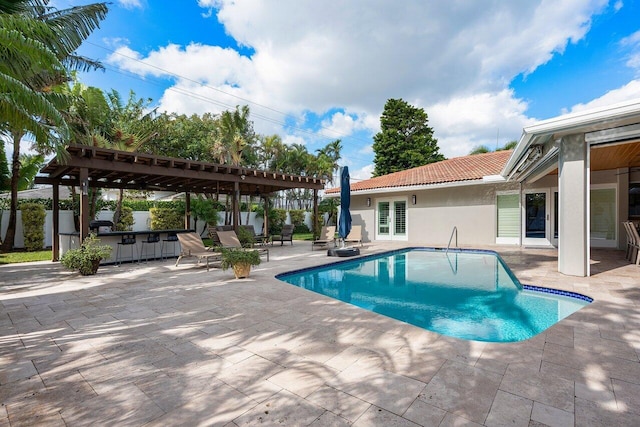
[587,121]
[404,189]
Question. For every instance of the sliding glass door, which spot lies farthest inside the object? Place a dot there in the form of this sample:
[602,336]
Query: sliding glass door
[536,218]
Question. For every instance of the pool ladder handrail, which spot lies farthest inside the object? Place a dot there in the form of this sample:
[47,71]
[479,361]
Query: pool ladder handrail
[454,231]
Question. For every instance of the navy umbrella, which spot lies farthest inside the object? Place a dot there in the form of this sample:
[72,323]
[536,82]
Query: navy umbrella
[344,222]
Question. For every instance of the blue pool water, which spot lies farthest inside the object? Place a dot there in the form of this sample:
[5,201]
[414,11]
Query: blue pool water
[465,294]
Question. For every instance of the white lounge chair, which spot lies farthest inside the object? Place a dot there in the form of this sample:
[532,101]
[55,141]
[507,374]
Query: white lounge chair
[327,235]
[191,246]
[355,236]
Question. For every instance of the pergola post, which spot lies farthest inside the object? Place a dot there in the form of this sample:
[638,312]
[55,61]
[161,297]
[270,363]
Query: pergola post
[314,221]
[55,240]
[236,205]
[266,216]
[84,203]
[187,211]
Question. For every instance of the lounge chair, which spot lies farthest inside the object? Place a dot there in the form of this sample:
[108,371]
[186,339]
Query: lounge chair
[213,233]
[258,239]
[191,246]
[355,236]
[229,239]
[633,243]
[286,235]
[327,235]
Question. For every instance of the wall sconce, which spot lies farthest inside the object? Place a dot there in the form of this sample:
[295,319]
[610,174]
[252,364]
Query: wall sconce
[84,187]
[368,201]
[413,199]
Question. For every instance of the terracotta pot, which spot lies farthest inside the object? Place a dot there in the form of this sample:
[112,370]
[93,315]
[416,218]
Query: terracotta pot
[93,270]
[241,270]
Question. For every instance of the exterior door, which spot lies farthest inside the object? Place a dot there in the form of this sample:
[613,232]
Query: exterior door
[535,221]
[391,218]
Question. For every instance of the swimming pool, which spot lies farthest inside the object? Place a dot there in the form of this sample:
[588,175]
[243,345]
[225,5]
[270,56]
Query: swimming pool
[464,294]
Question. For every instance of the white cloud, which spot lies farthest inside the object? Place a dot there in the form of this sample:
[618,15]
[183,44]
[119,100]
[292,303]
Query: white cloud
[130,4]
[462,123]
[455,60]
[362,173]
[627,92]
[632,43]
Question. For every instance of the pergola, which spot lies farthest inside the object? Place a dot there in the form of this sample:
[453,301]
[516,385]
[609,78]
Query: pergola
[92,167]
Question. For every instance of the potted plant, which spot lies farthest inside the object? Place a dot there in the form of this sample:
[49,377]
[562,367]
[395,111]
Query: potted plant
[240,260]
[86,259]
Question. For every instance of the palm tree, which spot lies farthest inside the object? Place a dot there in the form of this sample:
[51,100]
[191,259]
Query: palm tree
[39,47]
[129,127]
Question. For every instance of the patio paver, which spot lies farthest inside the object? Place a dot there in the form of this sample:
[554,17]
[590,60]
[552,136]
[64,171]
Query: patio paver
[157,345]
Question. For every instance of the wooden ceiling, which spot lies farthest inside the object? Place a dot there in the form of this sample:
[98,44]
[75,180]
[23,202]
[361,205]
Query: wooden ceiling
[607,157]
[137,171]
[626,155]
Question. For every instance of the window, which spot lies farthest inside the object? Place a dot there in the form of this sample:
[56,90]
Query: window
[400,227]
[383,218]
[603,214]
[508,227]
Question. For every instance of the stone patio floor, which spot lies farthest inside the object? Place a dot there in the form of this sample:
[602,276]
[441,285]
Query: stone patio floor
[158,345]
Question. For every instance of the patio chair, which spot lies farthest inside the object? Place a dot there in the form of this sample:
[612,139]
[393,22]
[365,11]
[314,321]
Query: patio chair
[229,239]
[191,246]
[286,235]
[259,239]
[630,242]
[327,235]
[355,236]
[212,230]
[634,256]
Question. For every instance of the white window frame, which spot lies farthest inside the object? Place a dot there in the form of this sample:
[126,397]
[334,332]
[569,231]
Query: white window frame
[392,236]
[509,240]
[604,243]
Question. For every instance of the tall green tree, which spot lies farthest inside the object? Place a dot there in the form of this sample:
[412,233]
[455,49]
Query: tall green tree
[38,50]
[130,126]
[405,140]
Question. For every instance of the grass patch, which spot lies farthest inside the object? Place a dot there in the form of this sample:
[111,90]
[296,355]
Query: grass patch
[15,257]
[303,236]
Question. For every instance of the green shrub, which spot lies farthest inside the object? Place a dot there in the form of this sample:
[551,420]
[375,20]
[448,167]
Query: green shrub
[245,237]
[297,216]
[166,219]
[126,219]
[301,229]
[33,215]
[230,257]
[87,258]
[277,218]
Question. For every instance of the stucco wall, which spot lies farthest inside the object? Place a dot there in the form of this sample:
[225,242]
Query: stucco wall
[471,209]
[363,215]
[431,220]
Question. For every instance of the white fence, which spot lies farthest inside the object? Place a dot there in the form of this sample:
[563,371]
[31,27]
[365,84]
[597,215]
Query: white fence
[141,219]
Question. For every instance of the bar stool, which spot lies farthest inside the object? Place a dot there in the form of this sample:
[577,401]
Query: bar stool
[171,238]
[152,239]
[127,240]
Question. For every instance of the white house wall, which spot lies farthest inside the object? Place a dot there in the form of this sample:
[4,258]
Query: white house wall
[472,209]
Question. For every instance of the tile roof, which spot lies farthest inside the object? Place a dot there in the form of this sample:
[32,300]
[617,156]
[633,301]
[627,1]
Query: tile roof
[466,168]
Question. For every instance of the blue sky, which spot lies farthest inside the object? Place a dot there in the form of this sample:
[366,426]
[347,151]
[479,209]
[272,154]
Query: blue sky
[315,71]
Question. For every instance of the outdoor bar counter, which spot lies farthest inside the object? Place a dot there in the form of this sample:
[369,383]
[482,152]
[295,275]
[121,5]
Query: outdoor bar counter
[170,248]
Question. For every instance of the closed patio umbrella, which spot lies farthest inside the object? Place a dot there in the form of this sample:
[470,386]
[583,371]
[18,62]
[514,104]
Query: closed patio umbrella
[344,222]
